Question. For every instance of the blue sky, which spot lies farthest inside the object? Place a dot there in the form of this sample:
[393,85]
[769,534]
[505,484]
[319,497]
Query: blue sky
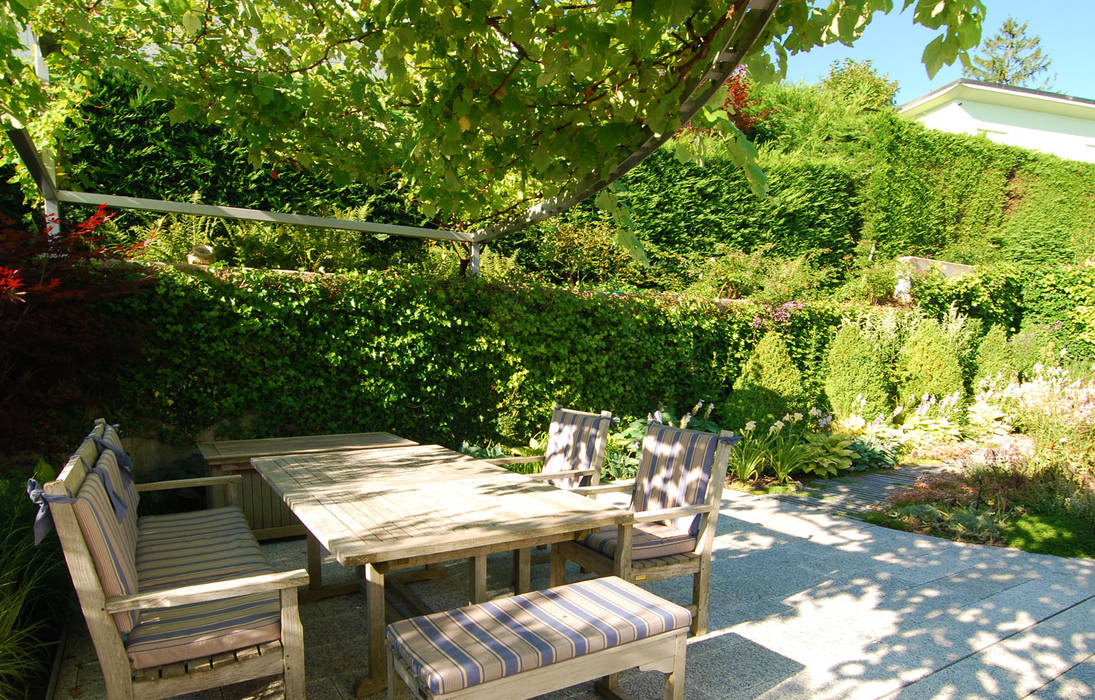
[894,45]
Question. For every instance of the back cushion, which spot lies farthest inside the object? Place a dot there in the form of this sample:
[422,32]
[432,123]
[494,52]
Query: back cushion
[108,544]
[572,442]
[675,470]
[124,488]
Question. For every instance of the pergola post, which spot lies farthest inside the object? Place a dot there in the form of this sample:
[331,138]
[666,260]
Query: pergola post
[44,159]
[473,265]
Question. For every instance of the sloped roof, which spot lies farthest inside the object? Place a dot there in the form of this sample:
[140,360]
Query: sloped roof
[1005,95]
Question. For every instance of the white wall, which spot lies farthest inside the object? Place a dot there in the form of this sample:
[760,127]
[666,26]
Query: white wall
[1068,137]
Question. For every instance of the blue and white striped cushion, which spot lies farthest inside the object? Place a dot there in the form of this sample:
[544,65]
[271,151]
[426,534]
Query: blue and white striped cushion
[108,543]
[168,635]
[184,548]
[572,442]
[475,644]
[126,489]
[675,470]
[648,541]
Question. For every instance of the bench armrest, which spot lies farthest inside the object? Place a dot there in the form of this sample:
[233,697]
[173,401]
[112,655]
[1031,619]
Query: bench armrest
[232,484]
[204,592]
[502,461]
[653,516]
[614,487]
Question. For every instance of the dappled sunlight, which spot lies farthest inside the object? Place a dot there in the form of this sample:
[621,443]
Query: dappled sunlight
[869,611]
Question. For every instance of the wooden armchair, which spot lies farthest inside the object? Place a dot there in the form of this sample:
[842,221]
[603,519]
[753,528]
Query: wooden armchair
[573,457]
[575,449]
[675,497]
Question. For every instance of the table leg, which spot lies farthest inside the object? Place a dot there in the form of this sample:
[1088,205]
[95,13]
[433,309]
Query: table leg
[478,568]
[315,564]
[377,680]
[522,570]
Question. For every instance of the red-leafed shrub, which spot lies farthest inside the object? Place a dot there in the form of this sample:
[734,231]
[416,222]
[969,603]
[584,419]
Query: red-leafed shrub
[57,348]
[742,107]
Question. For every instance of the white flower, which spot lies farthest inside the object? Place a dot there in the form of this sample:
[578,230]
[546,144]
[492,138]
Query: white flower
[776,427]
[750,426]
[816,412]
[797,417]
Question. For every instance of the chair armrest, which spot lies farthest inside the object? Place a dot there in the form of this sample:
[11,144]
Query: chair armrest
[653,516]
[231,483]
[542,476]
[502,461]
[204,592]
[227,479]
[614,487]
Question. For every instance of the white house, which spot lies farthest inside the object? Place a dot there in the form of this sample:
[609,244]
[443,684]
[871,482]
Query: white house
[1035,119]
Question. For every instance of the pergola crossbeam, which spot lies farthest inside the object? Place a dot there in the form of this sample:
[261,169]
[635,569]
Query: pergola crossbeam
[239,213]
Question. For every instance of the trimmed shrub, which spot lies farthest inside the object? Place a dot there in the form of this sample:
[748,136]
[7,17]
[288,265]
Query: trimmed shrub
[770,383]
[858,380]
[994,355]
[928,364]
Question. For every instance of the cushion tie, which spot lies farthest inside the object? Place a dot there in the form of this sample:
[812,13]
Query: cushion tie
[125,464]
[43,521]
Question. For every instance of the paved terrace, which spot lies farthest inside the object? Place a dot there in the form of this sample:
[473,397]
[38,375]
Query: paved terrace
[804,604]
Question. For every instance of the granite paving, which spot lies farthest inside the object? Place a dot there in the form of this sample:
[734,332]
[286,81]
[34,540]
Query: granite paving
[805,603]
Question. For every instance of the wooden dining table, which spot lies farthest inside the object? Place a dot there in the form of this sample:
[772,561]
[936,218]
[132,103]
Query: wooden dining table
[385,509]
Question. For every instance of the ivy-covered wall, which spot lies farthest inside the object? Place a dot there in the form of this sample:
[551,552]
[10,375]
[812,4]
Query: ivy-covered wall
[276,354]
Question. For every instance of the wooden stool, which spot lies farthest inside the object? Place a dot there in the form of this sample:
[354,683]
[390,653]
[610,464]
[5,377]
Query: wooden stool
[534,643]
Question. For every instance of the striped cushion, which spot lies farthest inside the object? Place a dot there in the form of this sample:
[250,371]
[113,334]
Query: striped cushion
[648,541]
[674,470]
[461,648]
[111,550]
[168,635]
[571,444]
[124,488]
[111,437]
[184,548]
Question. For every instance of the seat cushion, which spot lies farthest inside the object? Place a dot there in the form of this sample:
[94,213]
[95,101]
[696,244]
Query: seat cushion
[648,541]
[187,548]
[460,648]
[199,630]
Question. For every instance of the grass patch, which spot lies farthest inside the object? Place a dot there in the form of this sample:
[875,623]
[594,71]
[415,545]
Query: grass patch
[1041,507]
[1061,534]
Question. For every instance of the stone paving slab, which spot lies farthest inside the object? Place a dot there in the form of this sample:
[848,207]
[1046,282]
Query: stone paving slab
[804,604]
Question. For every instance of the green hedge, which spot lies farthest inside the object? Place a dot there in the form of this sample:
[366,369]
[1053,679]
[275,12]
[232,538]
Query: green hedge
[689,208]
[929,190]
[1062,304]
[437,360]
[122,142]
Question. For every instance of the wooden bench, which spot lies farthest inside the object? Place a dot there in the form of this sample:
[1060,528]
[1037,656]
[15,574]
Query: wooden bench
[535,643]
[174,603]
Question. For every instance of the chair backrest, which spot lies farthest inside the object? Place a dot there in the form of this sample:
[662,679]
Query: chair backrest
[576,440]
[681,468]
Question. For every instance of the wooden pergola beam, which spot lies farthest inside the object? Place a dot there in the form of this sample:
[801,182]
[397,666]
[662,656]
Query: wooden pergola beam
[242,214]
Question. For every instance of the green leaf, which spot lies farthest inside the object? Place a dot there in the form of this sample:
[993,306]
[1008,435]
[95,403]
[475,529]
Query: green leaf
[933,56]
[641,10]
[631,243]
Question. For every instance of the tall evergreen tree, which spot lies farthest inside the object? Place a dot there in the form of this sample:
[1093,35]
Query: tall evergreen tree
[1011,57]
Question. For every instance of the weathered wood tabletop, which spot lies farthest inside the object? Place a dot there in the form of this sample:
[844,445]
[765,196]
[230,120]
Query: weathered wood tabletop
[267,516]
[390,508]
[234,451]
